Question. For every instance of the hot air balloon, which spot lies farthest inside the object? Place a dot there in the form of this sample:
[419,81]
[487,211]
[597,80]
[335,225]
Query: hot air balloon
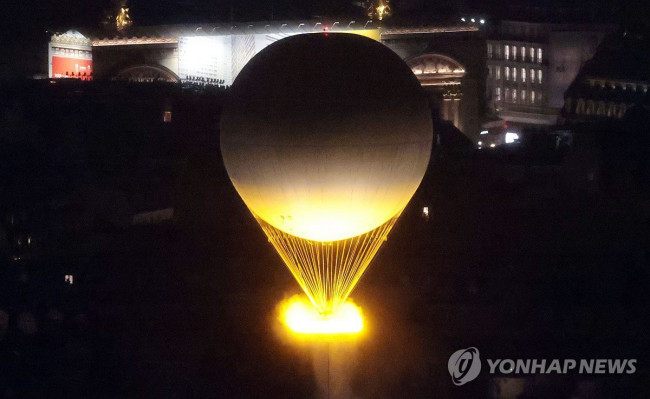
[326,137]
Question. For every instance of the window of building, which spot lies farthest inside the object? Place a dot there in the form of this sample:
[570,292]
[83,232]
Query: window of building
[506,52]
[514,53]
[514,95]
[531,54]
[523,75]
[167,116]
[523,53]
[498,48]
[532,97]
[489,71]
[514,74]
[497,94]
[507,94]
[611,110]
[532,75]
[539,76]
[523,96]
[69,278]
[489,50]
[507,73]
[498,72]
[539,98]
[539,55]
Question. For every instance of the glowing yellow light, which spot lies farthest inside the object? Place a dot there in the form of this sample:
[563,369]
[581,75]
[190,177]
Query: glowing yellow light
[380,11]
[302,318]
[374,34]
[123,20]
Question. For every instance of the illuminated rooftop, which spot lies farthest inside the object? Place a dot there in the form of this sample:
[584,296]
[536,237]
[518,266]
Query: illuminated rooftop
[160,34]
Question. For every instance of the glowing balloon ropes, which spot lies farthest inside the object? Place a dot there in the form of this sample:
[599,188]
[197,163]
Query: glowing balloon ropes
[326,138]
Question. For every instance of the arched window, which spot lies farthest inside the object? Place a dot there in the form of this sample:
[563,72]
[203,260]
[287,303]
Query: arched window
[435,69]
[611,110]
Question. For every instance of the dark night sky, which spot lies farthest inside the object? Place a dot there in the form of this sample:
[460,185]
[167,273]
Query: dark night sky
[45,14]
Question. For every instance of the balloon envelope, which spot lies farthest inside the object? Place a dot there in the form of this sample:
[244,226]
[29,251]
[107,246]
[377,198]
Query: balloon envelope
[326,136]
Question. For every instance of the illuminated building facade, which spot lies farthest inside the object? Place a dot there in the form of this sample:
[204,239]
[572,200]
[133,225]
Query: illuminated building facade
[179,53]
[70,56]
[448,60]
[530,65]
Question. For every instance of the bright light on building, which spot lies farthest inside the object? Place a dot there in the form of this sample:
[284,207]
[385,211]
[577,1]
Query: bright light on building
[206,58]
[425,212]
[492,145]
[473,20]
[482,21]
[301,317]
[484,132]
[463,19]
[69,278]
[511,137]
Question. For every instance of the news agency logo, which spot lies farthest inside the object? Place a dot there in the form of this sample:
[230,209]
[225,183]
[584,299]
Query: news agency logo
[464,365]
